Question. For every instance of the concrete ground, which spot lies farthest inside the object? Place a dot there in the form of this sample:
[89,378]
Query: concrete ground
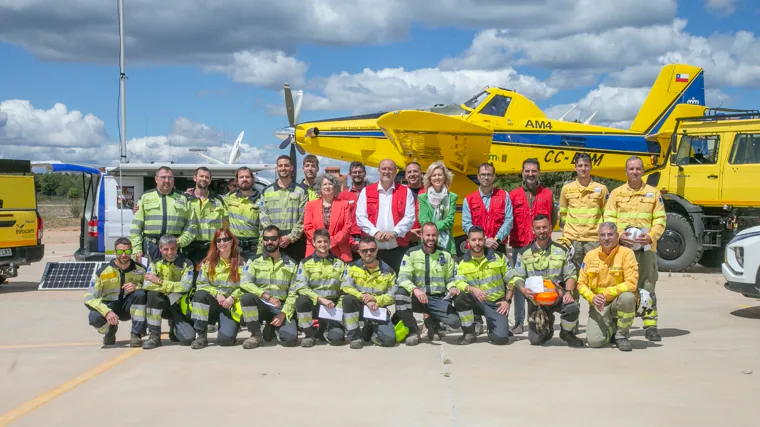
[705,372]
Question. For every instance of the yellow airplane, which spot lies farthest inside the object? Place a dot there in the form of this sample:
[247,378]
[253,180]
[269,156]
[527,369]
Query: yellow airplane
[504,128]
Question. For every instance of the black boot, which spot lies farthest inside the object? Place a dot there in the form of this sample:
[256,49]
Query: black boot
[201,341]
[110,336]
[256,339]
[652,334]
[154,338]
[570,338]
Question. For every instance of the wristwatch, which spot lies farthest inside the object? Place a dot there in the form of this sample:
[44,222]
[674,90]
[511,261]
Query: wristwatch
[509,301]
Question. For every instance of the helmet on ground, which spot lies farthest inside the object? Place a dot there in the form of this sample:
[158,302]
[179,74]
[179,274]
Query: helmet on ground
[549,295]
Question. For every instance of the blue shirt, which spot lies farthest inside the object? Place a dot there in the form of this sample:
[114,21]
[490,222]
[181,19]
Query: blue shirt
[503,230]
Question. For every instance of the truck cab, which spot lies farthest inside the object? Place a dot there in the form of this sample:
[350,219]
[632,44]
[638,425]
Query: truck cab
[710,186]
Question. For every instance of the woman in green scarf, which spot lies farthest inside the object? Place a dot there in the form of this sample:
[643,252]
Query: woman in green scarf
[438,204]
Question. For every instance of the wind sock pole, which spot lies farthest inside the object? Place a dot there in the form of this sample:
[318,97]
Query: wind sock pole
[122,86]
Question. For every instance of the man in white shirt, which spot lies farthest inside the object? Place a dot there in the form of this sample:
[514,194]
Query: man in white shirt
[385,211]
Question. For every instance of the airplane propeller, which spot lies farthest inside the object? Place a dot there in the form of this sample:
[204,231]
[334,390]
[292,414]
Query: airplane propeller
[293,110]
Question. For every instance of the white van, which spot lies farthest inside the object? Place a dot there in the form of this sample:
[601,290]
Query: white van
[111,193]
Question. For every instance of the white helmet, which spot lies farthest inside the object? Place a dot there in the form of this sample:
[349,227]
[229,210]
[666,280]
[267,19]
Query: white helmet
[633,234]
[645,302]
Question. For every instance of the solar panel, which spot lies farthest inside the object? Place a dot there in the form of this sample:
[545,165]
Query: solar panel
[68,275]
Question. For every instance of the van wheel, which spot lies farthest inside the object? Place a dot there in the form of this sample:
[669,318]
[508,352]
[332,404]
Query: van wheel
[678,249]
[712,258]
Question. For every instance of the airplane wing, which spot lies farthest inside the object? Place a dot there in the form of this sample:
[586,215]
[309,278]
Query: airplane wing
[429,137]
[211,159]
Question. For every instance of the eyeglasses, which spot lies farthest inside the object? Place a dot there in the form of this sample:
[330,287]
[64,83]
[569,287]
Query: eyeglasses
[223,240]
[367,251]
[123,251]
[270,238]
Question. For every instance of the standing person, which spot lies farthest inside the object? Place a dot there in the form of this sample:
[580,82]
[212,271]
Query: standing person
[608,281]
[529,200]
[368,282]
[413,175]
[218,290]
[318,284]
[358,174]
[282,205]
[544,258]
[637,204]
[243,207]
[385,211]
[270,293]
[231,186]
[171,276]
[160,211]
[424,280]
[489,208]
[210,214]
[115,293]
[310,171]
[332,214]
[438,205]
[581,208]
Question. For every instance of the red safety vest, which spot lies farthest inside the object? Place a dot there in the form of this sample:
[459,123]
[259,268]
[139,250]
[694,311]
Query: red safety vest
[492,219]
[523,213]
[398,206]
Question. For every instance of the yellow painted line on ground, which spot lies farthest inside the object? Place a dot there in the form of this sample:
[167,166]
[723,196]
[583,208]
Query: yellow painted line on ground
[69,385]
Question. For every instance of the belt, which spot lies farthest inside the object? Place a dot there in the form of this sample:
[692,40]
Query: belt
[248,243]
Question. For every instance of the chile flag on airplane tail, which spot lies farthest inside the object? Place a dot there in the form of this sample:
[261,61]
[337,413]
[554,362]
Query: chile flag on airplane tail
[682,78]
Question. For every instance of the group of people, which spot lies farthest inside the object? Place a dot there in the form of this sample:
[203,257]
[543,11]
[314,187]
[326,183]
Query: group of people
[309,257]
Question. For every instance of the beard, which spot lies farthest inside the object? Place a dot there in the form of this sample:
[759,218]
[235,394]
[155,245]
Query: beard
[270,248]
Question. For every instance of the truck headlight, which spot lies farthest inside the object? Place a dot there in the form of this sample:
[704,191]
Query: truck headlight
[739,253]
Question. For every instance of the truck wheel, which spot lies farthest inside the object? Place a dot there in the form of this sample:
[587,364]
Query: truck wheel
[460,242]
[677,249]
[713,258]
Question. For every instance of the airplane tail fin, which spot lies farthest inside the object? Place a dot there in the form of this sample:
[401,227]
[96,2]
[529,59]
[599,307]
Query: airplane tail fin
[677,84]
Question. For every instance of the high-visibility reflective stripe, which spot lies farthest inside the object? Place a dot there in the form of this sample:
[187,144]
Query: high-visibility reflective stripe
[567,326]
[637,215]
[573,220]
[584,211]
[402,306]
[277,293]
[327,293]
[304,320]
[351,320]
[250,313]
[103,329]
[467,318]
[403,298]
[200,311]
[137,312]
[154,316]
[368,290]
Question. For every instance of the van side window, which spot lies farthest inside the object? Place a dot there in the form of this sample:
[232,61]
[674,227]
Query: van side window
[746,150]
[698,150]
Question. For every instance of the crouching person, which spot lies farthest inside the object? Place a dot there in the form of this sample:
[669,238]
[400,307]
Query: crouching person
[482,288]
[318,284]
[368,282]
[115,294]
[170,277]
[608,281]
[424,279]
[269,286]
[218,291]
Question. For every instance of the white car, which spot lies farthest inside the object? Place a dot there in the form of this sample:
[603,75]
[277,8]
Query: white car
[742,267]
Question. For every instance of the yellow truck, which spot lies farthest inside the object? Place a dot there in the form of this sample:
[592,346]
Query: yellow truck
[710,186]
[20,223]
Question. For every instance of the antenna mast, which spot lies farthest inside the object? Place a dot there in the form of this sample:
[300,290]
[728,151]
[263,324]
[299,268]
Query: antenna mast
[122,85]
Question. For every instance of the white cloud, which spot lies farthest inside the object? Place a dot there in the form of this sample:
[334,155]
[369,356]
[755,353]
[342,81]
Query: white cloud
[55,127]
[263,68]
[612,104]
[389,88]
[722,7]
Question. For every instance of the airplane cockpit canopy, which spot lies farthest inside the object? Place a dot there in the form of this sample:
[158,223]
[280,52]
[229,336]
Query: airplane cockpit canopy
[496,106]
[476,100]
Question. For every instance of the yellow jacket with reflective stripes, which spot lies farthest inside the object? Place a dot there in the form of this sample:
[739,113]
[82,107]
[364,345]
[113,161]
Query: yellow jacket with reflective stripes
[157,213]
[320,277]
[489,274]
[177,276]
[642,208]
[609,275]
[210,215]
[106,284]
[283,207]
[220,284]
[581,209]
[262,275]
[380,282]
[310,191]
[243,214]
[433,273]
[551,263]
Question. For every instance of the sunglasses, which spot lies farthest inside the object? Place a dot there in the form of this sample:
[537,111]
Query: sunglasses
[123,251]
[271,238]
[223,240]
[367,251]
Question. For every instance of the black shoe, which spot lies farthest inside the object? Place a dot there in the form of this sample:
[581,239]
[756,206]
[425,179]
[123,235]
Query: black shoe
[624,345]
[571,339]
[652,334]
[268,334]
[200,342]
[467,338]
[109,339]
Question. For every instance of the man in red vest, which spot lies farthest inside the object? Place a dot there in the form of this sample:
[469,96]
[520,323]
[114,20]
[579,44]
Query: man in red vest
[490,209]
[385,211]
[358,174]
[413,175]
[528,200]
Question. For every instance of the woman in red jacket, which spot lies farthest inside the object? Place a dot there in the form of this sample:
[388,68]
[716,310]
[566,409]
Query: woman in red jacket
[334,215]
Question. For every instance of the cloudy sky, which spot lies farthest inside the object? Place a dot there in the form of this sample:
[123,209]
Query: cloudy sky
[201,72]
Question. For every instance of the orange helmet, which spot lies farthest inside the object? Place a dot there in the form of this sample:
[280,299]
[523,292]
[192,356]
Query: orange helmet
[549,295]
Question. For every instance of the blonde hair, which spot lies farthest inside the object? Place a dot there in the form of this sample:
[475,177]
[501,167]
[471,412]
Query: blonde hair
[447,174]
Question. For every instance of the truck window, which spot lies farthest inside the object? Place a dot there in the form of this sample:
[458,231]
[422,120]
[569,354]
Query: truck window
[698,150]
[746,150]
[497,106]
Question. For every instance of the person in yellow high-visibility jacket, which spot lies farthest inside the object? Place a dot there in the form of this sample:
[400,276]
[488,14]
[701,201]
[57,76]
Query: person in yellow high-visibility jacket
[607,281]
[636,204]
